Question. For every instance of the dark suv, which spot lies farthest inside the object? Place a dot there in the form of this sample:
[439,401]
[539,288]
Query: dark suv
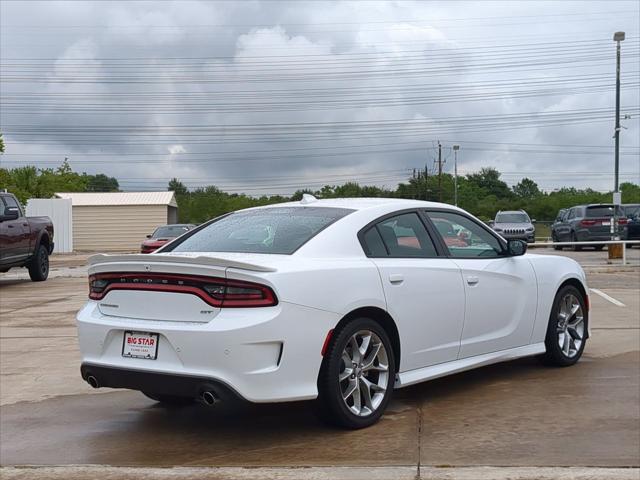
[632,212]
[588,223]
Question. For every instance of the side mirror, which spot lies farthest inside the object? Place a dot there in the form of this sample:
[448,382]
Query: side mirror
[10,213]
[149,236]
[491,223]
[516,247]
[533,220]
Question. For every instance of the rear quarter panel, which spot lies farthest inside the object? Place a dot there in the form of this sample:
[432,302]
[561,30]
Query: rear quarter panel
[338,285]
[551,272]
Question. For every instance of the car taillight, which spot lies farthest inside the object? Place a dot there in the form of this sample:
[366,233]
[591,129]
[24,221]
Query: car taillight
[217,292]
[623,221]
[588,223]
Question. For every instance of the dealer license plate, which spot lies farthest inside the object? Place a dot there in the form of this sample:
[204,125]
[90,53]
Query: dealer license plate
[140,345]
[606,224]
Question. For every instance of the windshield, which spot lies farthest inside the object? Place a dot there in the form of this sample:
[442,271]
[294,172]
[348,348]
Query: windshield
[280,230]
[518,217]
[602,211]
[170,231]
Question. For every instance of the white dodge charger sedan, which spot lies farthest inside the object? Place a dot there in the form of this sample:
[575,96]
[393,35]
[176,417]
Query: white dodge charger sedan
[339,300]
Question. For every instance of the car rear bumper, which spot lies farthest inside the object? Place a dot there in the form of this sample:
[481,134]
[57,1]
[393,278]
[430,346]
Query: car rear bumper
[266,354]
[157,383]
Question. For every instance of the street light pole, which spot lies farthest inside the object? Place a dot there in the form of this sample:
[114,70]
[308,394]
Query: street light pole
[617,37]
[455,174]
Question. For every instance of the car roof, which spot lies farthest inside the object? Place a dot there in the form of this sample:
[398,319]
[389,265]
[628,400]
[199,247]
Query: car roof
[363,203]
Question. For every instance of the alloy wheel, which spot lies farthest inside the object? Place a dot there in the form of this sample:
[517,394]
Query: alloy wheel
[364,373]
[570,327]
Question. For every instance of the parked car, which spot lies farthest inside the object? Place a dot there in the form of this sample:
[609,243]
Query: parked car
[340,300]
[24,241]
[588,223]
[162,235]
[515,224]
[632,213]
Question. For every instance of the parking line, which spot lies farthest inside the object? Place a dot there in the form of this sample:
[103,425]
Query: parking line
[607,297]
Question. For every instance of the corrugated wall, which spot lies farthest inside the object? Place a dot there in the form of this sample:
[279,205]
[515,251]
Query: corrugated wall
[115,228]
[60,212]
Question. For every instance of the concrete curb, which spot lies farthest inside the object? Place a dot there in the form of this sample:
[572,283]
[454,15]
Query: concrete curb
[99,472]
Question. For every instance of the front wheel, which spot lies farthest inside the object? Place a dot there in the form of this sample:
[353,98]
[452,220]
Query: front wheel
[357,375]
[567,329]
[39,265]
[554,239]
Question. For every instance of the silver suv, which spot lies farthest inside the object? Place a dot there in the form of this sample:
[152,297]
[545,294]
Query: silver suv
[514,224]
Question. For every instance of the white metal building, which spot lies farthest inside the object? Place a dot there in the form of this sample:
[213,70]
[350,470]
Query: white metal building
[117,221]
[59,211]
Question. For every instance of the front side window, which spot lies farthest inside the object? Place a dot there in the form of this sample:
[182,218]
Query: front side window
[465,238]
[399,236]
[278,230]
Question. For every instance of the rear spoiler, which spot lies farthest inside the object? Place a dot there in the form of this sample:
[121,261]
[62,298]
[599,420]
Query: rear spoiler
[103,259]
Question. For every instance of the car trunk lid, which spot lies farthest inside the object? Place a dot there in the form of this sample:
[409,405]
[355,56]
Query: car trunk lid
[171,287]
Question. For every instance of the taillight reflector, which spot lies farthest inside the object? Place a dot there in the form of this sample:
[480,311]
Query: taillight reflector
[217,292]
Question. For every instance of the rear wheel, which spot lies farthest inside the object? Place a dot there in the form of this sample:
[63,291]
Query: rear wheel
[357,376]
[39,265]
[567,329]
[170,400]
[575,247]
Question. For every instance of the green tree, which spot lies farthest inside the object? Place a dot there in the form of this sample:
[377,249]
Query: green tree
[1,143]
[177,186]
[488,179]
[102,183]
[526,188]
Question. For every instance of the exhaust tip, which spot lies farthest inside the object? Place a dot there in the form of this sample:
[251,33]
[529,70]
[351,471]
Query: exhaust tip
[93,381]
[209,398]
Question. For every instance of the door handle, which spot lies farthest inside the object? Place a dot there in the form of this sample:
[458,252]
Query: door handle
[472,280]
[396,278]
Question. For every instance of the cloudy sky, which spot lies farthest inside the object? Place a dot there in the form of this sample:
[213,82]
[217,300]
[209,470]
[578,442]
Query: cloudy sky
[268,96]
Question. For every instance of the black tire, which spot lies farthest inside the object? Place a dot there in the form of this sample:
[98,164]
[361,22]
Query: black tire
[574,247]
[330,405]
[555,355]
[554,239]
[170,400]
[39,264]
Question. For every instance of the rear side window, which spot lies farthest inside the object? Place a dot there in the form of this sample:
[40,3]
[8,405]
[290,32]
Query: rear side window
[399,236]
[373,243]
[278,230]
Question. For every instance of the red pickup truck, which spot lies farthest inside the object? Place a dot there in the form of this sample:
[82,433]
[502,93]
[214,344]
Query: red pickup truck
[24,241]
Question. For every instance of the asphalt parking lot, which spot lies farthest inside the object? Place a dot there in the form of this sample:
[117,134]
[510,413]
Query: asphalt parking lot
[515,420]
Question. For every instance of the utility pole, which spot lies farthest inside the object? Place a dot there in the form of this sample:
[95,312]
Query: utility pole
[426,181]
[617,37]
[455,174]
[440,171]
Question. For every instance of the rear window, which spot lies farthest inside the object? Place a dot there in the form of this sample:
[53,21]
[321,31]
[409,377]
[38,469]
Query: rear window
[279,230]
[601,211]
[632,210]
